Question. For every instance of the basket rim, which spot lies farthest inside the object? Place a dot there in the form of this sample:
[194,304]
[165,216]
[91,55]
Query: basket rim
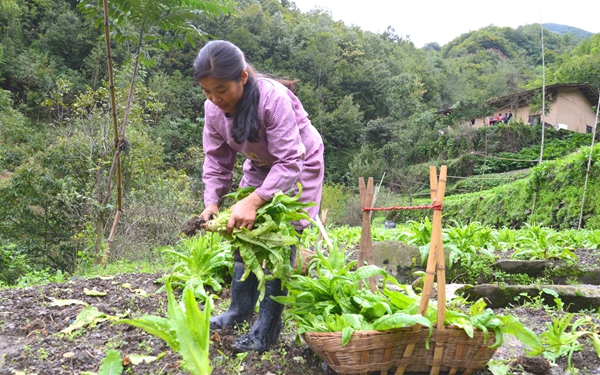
[374,331]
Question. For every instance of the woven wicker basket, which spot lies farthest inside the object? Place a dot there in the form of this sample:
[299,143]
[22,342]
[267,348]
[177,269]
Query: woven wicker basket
[382,352]
[403,351]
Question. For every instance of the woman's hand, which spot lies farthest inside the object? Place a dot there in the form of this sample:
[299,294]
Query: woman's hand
[243,213]
[209,212]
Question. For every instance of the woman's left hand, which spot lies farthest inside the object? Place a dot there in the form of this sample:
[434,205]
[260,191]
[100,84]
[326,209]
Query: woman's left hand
[243,213]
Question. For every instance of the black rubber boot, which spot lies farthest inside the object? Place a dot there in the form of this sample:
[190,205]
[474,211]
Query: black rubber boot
[265,331]
[243,300]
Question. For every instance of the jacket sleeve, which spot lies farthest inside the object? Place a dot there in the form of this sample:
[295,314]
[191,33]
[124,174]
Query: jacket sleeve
[219,161]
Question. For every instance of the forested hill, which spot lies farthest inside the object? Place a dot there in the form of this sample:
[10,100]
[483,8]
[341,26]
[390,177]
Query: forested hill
[374,98]
[577,33]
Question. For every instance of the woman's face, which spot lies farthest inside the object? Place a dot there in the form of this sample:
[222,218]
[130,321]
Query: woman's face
[225,94]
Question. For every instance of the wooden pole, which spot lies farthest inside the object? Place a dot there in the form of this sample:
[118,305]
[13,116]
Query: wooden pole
[435,264]
[323,220]
[589,165]
[436,241]
[365,250]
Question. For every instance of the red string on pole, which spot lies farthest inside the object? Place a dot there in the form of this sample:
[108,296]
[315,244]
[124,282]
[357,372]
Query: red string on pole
[435,206]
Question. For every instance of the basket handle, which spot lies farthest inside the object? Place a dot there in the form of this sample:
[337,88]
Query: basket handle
[435,260]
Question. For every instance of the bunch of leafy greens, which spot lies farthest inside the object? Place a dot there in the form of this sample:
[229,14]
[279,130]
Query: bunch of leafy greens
[333,301]
[269,242]
[203,261]
[186,329]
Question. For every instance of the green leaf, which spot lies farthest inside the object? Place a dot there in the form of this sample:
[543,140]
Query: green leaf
[347,335]
[399,320]
[514,327]
[498,367]
[111,364]
[154,325]
[596,343]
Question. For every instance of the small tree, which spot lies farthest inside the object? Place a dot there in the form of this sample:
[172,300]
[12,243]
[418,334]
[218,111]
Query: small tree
[165,23]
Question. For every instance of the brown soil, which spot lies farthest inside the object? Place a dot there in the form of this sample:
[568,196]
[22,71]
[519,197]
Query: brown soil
[30,340]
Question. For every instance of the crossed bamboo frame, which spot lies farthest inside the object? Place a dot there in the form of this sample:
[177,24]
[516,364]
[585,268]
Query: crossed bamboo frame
[435,260]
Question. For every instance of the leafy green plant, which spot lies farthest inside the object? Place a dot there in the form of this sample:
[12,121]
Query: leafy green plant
[186,329]
[203,260]
[505,238]
[333,301]
[498,367]
[13,264]
[537,242]
[345,235]
[269,243]
[420,232]
[591,238]
[562,338]
[468,242]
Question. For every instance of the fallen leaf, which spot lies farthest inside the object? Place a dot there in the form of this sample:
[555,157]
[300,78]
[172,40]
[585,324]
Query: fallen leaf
[93,293]
[136,359]
[66,302]
[90,316]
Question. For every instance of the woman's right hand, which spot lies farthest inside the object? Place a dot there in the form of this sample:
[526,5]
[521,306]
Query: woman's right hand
[210,211]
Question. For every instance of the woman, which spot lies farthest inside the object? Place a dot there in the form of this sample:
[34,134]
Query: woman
[263,120]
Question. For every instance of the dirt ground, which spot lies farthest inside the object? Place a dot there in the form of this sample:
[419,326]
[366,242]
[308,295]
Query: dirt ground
[31,342]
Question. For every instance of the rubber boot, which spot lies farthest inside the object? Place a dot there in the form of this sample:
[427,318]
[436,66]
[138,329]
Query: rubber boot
[243,300]
[267,328]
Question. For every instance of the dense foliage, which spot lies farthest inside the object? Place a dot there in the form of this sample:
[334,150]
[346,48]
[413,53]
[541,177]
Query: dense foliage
[375,98]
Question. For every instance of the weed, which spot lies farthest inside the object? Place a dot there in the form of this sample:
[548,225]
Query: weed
[42,354]
[143,346]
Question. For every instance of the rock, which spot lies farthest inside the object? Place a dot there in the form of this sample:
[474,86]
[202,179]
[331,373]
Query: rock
[324,366]
[534,365]
[398,259]
[529,267]
[579,273]
[574,297]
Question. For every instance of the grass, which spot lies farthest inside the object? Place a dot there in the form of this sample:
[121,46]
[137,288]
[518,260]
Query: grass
[121,266]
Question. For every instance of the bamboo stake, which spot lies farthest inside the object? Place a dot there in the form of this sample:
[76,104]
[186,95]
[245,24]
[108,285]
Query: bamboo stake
[323,220]
[363,194]
[543,116]
[589,165]
[369,243]
[441,268]
[434,260]
[377,188]
[365,252]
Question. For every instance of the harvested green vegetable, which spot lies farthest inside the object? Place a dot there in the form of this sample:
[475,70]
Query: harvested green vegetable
[270,240]
[333,302]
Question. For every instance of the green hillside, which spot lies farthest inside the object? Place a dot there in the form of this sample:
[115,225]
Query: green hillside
[374,97]
[577,33]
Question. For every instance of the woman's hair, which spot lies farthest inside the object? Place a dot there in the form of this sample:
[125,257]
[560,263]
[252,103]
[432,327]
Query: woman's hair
[223,60]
